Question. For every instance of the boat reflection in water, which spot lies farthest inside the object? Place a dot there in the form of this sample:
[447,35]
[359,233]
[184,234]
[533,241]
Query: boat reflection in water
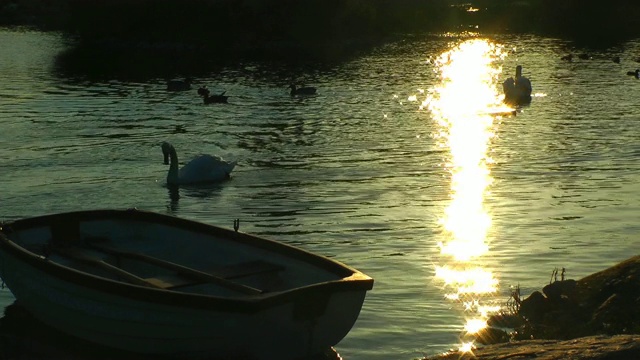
[464,104]
[24,337]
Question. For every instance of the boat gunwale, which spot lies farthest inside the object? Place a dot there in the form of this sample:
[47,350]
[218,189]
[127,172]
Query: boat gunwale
[351,279]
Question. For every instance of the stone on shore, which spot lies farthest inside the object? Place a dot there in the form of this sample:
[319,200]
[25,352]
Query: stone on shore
[596,317]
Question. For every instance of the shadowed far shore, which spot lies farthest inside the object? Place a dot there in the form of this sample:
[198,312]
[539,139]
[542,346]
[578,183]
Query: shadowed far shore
[594,318]
[292,30]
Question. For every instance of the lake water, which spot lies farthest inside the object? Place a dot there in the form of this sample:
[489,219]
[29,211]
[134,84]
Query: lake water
[393,167]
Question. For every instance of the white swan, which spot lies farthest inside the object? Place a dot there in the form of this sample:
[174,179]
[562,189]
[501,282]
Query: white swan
[202,169]
[517,91]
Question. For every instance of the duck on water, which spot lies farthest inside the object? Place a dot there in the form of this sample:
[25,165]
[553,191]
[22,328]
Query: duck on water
[305,90]
[517,91]
[212,99]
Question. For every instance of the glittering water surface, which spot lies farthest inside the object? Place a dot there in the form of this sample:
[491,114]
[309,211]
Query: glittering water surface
[394,168]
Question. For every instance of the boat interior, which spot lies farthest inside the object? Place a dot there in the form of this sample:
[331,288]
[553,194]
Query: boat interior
[172,258]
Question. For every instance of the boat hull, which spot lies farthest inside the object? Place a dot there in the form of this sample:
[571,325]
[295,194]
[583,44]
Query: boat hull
[291,324]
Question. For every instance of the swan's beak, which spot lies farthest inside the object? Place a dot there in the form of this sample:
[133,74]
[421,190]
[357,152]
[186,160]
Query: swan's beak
[166,158]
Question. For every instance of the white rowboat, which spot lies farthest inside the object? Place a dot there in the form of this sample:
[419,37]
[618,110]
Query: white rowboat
[157,284]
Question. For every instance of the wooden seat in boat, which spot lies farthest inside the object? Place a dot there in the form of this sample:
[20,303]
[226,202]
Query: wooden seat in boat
[84,256]
[185,276]
[182,275]
[235,271]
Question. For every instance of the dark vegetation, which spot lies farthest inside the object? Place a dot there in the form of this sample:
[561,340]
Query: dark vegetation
[321,29]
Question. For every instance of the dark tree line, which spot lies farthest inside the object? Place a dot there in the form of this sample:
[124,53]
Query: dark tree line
[315,25]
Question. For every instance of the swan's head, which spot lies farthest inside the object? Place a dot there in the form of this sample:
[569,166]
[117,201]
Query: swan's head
[166,151]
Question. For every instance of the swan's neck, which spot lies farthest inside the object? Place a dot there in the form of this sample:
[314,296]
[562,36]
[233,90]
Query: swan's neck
[172,176]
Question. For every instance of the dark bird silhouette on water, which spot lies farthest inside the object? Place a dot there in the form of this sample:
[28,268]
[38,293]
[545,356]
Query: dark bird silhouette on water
[305,90]
[517,90]
[212,99]
[635,74]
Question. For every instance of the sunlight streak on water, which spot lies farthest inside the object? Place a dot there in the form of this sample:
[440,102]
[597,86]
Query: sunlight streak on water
[469,281]
[461,105]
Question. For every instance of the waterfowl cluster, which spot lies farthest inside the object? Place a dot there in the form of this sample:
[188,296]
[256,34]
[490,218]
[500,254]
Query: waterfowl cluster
[517,90]
[206,168]
[616,59]
[176,85]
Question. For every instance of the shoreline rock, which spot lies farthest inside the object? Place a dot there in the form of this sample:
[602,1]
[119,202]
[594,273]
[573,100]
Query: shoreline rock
[596,317]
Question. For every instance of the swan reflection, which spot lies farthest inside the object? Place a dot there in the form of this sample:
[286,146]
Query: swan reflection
[203,191]
[462,105]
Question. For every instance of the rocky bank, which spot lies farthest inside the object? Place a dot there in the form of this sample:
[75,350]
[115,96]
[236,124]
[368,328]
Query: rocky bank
[597,317]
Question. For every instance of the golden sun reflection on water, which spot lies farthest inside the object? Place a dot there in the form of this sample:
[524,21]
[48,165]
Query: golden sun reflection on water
[463,104]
